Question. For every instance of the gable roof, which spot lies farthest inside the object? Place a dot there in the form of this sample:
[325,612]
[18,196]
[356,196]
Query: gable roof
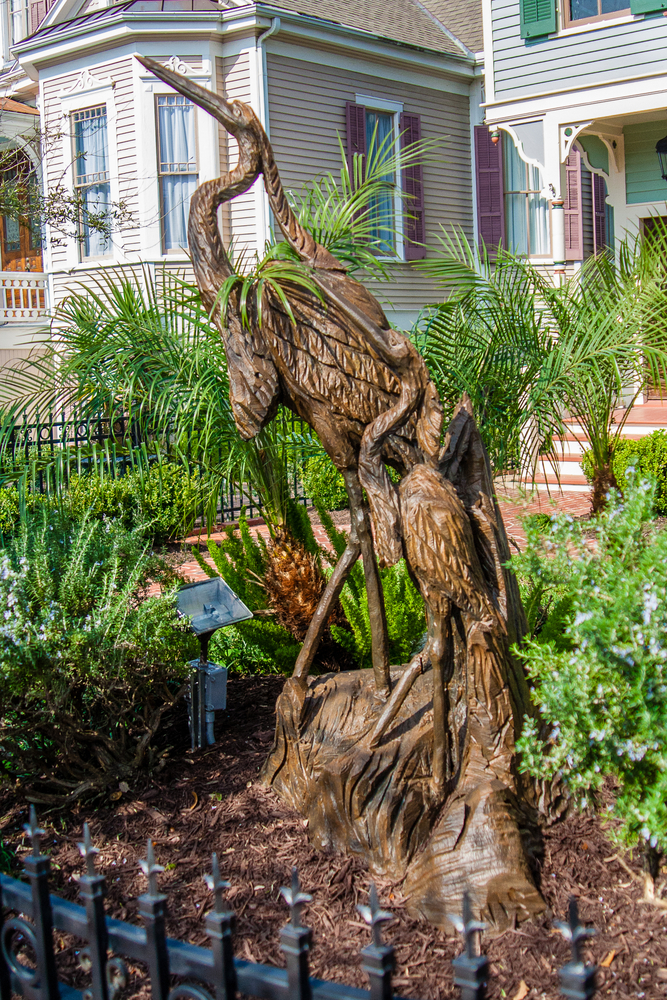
[409,22]
[462,17]
[9,104]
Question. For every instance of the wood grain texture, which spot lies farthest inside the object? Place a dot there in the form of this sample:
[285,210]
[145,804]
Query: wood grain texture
[411,768]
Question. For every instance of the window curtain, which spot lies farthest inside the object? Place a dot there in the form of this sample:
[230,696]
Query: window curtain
[526,211]
[379,135]
[92,176]
[516,217]
[178,165]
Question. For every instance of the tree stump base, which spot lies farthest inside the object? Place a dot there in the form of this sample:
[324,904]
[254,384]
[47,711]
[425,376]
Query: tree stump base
[379,803]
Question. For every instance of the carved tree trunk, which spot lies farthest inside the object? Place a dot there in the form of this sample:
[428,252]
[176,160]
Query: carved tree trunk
[379,799]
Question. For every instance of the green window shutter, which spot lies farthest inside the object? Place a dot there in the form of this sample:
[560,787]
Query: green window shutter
[647,6]
[538,17]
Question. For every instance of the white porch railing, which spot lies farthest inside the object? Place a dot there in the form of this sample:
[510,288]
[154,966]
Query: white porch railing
[22,296]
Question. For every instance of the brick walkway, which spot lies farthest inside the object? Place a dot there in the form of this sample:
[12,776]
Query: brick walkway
[513,509]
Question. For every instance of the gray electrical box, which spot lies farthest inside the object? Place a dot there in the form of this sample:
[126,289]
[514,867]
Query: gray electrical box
[208,605]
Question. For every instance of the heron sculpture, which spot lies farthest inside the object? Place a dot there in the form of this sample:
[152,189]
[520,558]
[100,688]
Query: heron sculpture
[365,390]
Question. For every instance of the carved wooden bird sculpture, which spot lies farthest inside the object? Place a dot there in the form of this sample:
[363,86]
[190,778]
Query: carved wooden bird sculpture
[337,363]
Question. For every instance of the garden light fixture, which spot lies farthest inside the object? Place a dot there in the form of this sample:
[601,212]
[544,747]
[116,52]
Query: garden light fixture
[208,605]
[661,150]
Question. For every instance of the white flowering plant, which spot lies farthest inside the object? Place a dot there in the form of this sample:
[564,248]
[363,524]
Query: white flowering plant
[601,684]
[89,664]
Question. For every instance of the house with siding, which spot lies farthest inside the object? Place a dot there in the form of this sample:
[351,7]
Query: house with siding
[575,103]
[313,72]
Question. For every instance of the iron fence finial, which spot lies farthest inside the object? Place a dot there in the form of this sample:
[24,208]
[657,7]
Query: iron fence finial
[88,851]
[34,832]
[216,884]
[574,931]
[374,916]
[468,927]
[150,869]
[294,898]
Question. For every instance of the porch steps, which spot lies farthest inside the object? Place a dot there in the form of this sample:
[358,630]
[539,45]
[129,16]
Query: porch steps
[642,420]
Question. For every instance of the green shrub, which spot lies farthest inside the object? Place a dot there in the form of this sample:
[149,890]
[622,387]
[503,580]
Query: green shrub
[324,484]
[9,509]
[169,499]
[601,685]
[90,495]
[648,457]
[88,667]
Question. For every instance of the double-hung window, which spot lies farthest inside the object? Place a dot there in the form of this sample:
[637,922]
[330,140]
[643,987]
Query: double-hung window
[18,15]
[177,167]
[91,178]
[393,220]
[380,145]
[526,209]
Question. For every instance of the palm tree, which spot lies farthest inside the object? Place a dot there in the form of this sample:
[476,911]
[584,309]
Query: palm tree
[531,353]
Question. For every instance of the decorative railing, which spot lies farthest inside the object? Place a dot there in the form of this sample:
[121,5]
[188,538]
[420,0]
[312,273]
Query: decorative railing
[28,966]
[22,296]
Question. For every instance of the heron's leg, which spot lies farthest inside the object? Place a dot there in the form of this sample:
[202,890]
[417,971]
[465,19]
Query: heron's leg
[318,622]
[360,528]
[439,646]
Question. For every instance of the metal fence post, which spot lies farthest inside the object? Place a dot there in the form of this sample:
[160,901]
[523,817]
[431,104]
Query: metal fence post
[377,958]
[295,941]
[153,910]
[471,969]
[92,889]
[5,980]
[577,980]
[220,927]
[37,867]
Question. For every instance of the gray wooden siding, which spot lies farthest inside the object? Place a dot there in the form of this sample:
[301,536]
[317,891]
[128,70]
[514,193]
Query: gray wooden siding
[522,68]
[307,114]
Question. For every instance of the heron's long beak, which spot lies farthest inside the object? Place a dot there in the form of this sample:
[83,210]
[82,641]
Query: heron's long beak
[213,103]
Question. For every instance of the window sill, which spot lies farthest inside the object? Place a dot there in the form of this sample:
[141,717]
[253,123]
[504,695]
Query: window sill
[579,29]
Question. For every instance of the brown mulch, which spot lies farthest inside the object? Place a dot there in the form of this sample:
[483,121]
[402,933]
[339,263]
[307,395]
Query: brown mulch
[212,801]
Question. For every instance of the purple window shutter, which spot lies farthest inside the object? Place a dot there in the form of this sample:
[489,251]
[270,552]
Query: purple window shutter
[37,14]
[355,121]
[489,179]
[574,227]
[410,127]
[599,213]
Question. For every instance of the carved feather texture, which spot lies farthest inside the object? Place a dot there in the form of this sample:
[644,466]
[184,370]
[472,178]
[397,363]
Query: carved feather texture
[439,544]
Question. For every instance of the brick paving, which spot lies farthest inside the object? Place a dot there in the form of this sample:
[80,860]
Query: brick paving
[513,508]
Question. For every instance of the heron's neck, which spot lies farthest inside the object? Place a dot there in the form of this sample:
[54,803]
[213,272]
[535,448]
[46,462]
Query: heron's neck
[209,257]
[308,249]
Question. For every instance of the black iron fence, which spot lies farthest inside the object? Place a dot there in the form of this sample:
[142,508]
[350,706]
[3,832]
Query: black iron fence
[43,452]
[28,961]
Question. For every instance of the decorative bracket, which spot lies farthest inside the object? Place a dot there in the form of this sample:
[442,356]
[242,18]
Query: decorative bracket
[568,134]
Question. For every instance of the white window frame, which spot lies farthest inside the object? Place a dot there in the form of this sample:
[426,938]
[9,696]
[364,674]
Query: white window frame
[79,100]
[178,251]
[394,108]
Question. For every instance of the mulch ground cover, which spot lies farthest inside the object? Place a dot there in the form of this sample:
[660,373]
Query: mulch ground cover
[212,801]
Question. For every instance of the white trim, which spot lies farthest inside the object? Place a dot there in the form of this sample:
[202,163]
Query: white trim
[379,103]
[489,61]
[579,29]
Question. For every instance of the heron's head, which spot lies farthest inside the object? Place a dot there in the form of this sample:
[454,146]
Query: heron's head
[238,118]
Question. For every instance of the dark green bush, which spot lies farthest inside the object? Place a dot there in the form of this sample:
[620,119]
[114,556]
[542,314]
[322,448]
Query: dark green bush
[88,667]
[648,457]
[324,484]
